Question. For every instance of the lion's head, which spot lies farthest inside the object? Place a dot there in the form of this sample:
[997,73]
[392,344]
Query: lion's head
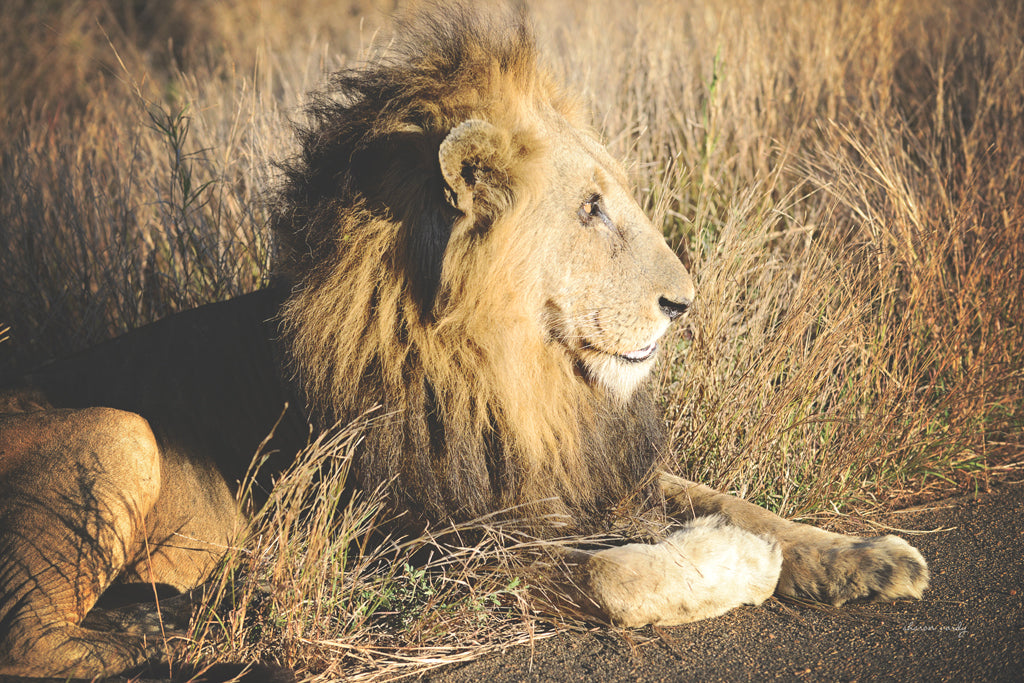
[466,253]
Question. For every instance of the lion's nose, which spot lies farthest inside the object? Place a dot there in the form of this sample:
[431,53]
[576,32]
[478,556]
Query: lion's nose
[674,309]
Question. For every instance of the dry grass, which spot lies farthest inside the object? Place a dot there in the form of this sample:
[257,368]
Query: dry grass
[319,585]
[848,182]
[846,178]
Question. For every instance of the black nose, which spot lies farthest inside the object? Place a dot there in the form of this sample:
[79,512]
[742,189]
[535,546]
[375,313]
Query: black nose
[673,309]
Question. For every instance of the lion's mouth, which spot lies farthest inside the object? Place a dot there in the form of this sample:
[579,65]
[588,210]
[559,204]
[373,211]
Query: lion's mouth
[640,355]
[636,356]
[617,371]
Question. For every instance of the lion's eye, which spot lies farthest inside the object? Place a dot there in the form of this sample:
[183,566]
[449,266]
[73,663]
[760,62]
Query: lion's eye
[589,209]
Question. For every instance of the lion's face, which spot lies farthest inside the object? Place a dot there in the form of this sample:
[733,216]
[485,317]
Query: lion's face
[613,285]
[608,285]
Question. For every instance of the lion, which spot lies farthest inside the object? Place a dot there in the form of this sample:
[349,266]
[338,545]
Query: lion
[456,246]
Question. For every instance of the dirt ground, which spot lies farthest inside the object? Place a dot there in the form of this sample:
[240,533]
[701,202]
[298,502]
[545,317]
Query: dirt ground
[969,626]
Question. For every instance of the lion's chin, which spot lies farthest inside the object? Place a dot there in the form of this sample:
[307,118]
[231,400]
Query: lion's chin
[620,375]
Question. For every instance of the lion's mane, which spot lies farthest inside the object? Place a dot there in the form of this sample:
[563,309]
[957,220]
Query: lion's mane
[480,412]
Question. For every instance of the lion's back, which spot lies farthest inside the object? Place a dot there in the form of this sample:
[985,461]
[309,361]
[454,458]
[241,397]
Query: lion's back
[207,380]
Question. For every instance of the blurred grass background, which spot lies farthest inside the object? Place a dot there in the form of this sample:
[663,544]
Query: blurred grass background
[845,179]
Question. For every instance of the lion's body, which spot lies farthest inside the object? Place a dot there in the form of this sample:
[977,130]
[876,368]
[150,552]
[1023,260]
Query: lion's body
[462,251]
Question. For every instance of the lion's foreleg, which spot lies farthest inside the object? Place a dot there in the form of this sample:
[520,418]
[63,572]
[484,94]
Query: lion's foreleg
[701,570]
[817,564]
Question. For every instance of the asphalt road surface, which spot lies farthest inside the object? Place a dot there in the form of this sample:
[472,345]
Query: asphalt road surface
[968,627]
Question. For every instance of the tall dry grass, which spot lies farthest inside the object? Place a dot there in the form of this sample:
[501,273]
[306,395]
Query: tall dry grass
[322,585]
[846,179]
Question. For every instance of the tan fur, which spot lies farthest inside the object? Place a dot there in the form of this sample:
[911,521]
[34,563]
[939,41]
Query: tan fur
[461,250]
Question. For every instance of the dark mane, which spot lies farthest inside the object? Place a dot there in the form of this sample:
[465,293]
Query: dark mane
[372,136]
[364,229]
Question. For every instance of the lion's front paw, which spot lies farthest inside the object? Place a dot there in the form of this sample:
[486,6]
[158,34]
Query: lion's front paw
[836,569]
[705,569]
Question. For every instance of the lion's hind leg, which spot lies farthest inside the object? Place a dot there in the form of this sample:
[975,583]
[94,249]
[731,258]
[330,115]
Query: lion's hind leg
[75,487]
[702,570]
[817,564]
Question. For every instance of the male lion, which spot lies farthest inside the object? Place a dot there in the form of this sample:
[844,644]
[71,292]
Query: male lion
[459,248]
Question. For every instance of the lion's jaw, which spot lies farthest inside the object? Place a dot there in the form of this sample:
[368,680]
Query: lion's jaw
[620,373]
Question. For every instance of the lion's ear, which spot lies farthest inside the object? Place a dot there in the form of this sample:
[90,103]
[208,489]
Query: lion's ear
[472,156]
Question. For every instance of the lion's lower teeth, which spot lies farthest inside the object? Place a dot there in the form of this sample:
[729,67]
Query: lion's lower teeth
[641,354]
